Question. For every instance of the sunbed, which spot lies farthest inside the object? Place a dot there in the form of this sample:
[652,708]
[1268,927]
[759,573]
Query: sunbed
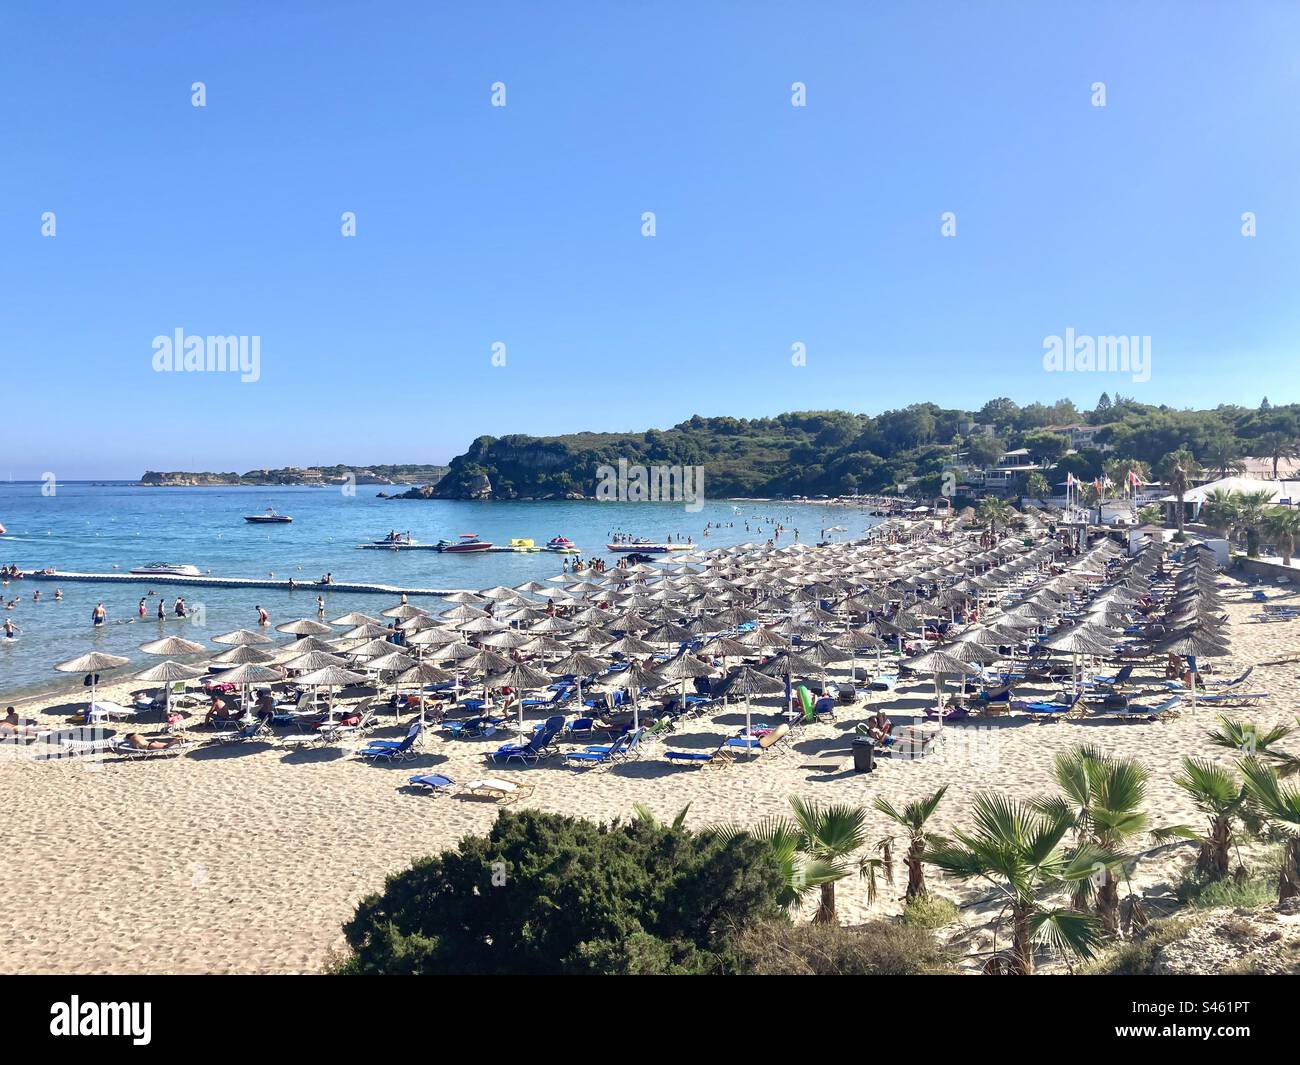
[393,750]
[434,783]
[504,792]
[534,749]
[603,754]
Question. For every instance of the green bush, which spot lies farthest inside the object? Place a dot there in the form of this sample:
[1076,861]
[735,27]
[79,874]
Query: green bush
[1207,894]
[880,948]
[930,911]
[545,894]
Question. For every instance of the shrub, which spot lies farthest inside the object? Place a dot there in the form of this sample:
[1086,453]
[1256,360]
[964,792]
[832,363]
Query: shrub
[542,893]
[930,911]
[880,948]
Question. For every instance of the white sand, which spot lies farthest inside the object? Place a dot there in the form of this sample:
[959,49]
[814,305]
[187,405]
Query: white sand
[249,858]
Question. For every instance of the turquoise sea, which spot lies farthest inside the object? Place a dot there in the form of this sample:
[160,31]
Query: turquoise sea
[105,528]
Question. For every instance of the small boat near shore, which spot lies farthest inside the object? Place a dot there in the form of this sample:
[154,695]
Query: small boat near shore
[562,545]
[467,543]
[394,541]
[648,548]
[166,569]
[269,518]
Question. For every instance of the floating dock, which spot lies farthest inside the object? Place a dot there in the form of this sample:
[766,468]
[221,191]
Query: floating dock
[235,582]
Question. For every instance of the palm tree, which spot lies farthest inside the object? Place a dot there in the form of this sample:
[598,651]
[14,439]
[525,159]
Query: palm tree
[1276,446]
[1223,453]
[913,818]
[1103,799]
[1036,486]
[1179,470]
[994,512]
[1018,849]
[813,851]
[1220,510]
[1216,793]
[1245,738]
[1119,469]
[1252,510]
[1283,523]
[1278,805]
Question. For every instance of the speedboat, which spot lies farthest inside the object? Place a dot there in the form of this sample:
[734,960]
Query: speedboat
[269,518]
[394,539]
[563,545]
[166,569]
[648,547]
[467,543]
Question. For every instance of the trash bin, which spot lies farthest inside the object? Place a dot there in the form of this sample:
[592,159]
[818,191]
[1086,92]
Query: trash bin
[864,754]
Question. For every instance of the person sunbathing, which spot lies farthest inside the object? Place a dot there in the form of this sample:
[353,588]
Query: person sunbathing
[11,722]
[150,743]
[220,712]
[879,727]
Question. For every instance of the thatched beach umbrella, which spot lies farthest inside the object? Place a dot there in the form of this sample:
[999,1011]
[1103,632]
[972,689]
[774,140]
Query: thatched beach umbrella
[304,627]
[940,663]
[242,638]
[632,679]
[521,678]
[168,673]
[172,645]
[749,682]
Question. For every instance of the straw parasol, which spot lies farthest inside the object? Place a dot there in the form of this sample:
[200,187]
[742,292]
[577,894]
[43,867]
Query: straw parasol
[304,627]
[172,645]
[242,638]
[749,682]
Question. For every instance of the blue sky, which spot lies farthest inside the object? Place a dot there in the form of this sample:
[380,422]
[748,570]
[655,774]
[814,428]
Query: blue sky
[522,224]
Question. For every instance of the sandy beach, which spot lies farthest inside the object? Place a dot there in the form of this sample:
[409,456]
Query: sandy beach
[247,858]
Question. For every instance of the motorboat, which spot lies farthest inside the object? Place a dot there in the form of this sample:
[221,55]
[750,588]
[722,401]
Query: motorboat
[563,545]
[166,569]
[269,518]
[465,544]
[394,540]
[646,547]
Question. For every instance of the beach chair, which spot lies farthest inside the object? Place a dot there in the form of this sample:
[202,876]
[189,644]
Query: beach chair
[118,745]
[107,710]
[504,792]
[776,739]
[579,726]
[1130,709]
[908,743]
[242,733]
[534,749]
[433,783]
[1220,685]
[473,727]
[393,750]
[1120,677]
[1046,709]
[595,756]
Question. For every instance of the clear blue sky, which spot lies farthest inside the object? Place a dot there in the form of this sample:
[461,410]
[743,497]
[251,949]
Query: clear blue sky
[522,224]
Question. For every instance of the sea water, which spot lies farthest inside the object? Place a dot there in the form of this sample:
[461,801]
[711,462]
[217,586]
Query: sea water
[114,528]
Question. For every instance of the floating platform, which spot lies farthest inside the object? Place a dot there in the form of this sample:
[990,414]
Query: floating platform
[235,582]
[651,549]
[397,547]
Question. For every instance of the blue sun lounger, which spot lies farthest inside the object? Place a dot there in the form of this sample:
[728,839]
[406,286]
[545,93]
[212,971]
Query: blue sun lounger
[393,750]
[597,756]
[531,752]
[434,783]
